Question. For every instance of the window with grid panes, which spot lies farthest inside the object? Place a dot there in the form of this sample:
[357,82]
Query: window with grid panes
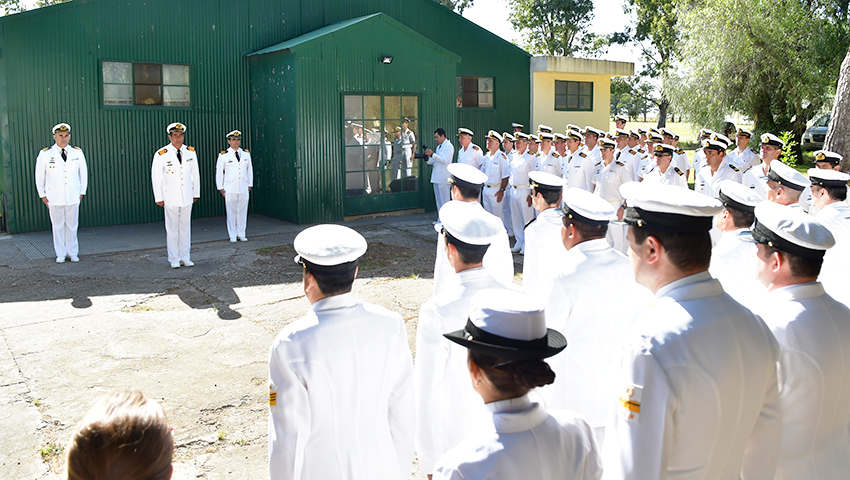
[573,96]
[145,84]
[475,92]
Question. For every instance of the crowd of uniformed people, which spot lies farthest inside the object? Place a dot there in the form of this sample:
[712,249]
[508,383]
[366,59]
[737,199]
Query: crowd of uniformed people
[660,332]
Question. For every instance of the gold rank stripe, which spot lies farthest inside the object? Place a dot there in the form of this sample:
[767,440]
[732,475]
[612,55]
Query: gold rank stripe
[272,398]
[630,405]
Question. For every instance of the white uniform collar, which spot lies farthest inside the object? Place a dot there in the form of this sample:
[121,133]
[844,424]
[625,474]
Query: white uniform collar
[343,300]
[682,282]
[232,150]
[550,212]
[516,414]
[473,274]
[798,291]
[597,244]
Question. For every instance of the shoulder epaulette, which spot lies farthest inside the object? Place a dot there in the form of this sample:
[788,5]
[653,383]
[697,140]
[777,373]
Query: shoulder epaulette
[503,155]
[45,149]
[676,169]
[245,150]
[620,163]
[733,167]
[163,151]
[536,154]
[556,154]
[191,149]
[597,164]
[582,154]
[475,147]
[529,223]
[223,152]
[641,150]
[680,151]
[632,151]
[75,147]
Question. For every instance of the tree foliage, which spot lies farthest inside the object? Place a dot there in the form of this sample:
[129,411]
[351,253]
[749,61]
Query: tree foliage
[457,5]
[632,96]
[775,61]
[556,27]
[16,6]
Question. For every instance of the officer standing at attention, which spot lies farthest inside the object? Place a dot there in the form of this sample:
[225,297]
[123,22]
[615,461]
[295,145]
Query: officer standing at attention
[517,127]
[176,186]
[341,399]
[742,155]
[785,185]
[715,170]
[61,179]
[756,177]
[234,178]
[521,212]
[620,122]
[408,145]
[698,395]
[545,255]
[813,331]
[827,160]
[664,172]
[468,153]
[439,160]
[829,196]
[497,168]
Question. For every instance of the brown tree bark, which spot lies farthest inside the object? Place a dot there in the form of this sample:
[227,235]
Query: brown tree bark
[838,134]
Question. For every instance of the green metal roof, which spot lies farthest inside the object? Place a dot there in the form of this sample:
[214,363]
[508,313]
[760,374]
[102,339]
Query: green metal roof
[297,43]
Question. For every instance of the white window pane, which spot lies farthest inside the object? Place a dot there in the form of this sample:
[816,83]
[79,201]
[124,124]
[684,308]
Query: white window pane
[117,72]
[175,75]
[117,94]
[485,84]
[485,100]
[175,96]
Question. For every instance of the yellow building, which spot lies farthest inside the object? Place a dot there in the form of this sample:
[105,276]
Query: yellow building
[573,90]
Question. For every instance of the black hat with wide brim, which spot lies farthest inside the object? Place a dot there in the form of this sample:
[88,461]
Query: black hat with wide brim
[481,341]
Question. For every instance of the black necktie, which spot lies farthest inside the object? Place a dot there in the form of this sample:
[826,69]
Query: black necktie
[64,156]
[237,156]
[179,157]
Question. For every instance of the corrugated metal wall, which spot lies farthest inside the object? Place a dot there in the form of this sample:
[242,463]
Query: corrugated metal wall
[52,56]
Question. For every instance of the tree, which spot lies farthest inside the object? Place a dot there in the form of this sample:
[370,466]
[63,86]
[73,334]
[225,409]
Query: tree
[838,134]
[457,5]
[632,96]
[775,61]
[555,27]
[656,34]
[16,6]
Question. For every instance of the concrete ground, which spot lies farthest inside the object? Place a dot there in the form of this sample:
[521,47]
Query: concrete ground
[196,339]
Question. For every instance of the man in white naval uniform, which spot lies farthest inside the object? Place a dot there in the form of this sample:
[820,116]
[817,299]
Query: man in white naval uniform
[176,186]
[743,156]
[612,174]
[497,168]
[785,185]
[570,163]
[813,331]
[680,158]
[580,306]
[468,153]
[341,401]
[664,172]
[544,251]
[467,183]
[632,154]
[698,395]
[827,160]
[61,179]
[446,404]
[521,212]
[585,177]
[715,170]
[647,163]
[732,256]
[440,159]
[756,177]
[508,143]
[829,196]
[548,160]
[234,178]
[408,145]
[699,156]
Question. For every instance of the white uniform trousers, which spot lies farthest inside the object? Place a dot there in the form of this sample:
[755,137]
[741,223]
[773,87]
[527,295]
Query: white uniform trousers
[506,211]
[488,200]
[178,224]
[237,214]
[521,214]
[442,194]
[65,220]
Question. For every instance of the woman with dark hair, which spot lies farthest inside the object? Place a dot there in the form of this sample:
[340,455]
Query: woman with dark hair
[507,339]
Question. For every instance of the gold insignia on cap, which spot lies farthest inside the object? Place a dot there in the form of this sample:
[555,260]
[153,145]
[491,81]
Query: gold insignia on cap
[765,138]
[62,128]
[820,156]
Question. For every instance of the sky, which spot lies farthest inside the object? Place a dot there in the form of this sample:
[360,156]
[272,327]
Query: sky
[608,18]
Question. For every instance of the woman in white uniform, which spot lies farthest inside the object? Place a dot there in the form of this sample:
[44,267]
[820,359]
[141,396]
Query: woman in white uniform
[507,339]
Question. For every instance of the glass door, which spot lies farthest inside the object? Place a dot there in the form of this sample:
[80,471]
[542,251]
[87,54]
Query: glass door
[380,139]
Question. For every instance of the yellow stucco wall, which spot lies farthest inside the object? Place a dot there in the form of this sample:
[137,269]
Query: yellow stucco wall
[543,101]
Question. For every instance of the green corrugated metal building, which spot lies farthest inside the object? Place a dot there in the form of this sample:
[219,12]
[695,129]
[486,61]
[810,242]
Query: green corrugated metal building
[309,82]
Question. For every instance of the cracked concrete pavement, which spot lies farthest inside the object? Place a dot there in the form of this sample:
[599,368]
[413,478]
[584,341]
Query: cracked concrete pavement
[196,339]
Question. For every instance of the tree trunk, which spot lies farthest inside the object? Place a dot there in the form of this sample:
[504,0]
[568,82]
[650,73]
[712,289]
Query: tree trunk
[838,134]
[662,110]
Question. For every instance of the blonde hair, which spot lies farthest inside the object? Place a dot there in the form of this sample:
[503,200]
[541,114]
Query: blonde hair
[124,436]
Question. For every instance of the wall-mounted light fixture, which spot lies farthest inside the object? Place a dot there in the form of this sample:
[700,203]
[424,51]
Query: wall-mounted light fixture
[387,59]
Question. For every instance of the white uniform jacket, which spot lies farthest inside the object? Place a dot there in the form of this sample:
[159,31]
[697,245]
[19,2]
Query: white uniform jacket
[631,158]
[471,156]
[673,176]
[585,178]
[680,159]
[522,440]
[549,162]
[440,161]
[581,307]
[813,331]
[836,262]
[520,166]
[174,183]
[699,161]
[698,396]
[608,181]
[545,254]
[709,184]
[576,177]
[62,182]
[498,260]
[496,166]
[744,160]
[232,175]
[733,264]
[445,400]
[343,387]
[756,180]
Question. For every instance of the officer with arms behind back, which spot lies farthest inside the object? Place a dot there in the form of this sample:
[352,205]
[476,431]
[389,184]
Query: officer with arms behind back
[234,178]
[61,178]
[176,186]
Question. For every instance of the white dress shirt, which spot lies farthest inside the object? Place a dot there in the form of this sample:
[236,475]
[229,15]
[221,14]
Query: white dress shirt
[471,156]
[521,440]
[813,331]
[549,162]
[175,183]
[733,262]
[745,159]
[234,176]
[61,181]
[673,176]
[709,183]
[608,180]
[344,405]
[836,262]
[496,166]
[545,254]
[756,180]
[441,159]
[698,396]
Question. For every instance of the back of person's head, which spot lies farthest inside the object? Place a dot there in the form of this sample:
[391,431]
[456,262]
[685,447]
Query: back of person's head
[336,282]
[551,197]
[837,194]
[741,219]
[469,254]
[513,378]
[466,192]
[124,436]
[687,251]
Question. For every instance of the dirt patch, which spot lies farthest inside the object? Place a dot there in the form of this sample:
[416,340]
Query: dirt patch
[378,255]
